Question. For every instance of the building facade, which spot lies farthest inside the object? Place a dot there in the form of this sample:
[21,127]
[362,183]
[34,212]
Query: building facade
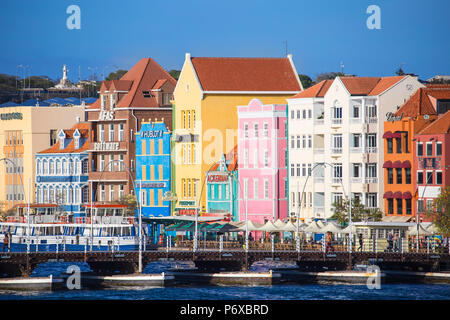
[24,131]
[62,171]
[222,187]
[335,135]
[153,168]
[205,117]
[262,146]
[143,93]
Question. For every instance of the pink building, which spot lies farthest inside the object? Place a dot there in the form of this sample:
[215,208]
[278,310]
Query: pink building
[262,146]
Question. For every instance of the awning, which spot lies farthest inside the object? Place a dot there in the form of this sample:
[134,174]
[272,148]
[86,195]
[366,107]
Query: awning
[397,164]
[398,195]
[407,195]
[387,164]
[388,195]
[406,164]
[396,135]
[387,135]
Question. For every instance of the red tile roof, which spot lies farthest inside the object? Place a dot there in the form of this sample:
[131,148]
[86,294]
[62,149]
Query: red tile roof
[83,128]
[231,158]
[246,74]
[142,77]
[317,90]
[438,126]
[159,84]
[420,104]
[384,84]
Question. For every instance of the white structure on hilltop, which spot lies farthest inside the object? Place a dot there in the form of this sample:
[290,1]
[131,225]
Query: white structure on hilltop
[64,83]
[339,124]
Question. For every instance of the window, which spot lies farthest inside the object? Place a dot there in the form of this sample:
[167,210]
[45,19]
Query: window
[390,146]
[245,188]
[298,142]
[102,162]
[371,170]
[255,158]
[298,114]
[337,143]
[246,158]
[255,189]
[356,140]
[103,101]
[102,192]
[371,200]
[355,111]
[438,177]
[304,113]
[309,169]
[143,197]
[303,169]
[286,158]
[304,141]
[398,142]
[399,206]
[292,142]
[429,177]
[419,177]
[121,137]
[266,189]
[336,111]
[337,198]
[53,137]
[112,100]
[337,170]
[309,113]
[101,133]
[419,149]
[371,140]
[372,111]
[189,119]
[408,206]
[399,175]
[429,148]
[408,175]
[292,170]
[266,130]
[298,169]
[438,148]
[309,141]
[390,206]
[292,114]
[111,193]
[356,170]
[266,158]
[390,173]
[255,127]
[420,205]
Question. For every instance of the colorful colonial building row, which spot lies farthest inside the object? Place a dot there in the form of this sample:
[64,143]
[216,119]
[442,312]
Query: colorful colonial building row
[239,138]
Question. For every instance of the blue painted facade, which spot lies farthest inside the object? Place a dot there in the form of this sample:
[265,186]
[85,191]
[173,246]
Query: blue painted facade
[153,168]
[222,189]
[62,172]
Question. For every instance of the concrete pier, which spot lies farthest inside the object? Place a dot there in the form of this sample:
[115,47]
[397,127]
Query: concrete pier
[32,283]
[326,277]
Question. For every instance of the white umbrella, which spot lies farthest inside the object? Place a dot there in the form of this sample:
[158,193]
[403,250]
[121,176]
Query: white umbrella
[290,227]
[331,227]
[347,230]
[313,227]
[412,231]
[433,229]
[251,226]
[269,227]
[320,224]
[279,224]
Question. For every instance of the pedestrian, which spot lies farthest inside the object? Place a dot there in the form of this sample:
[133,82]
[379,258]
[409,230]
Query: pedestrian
[360,237]
[5,242]
[390,239]
[395,238]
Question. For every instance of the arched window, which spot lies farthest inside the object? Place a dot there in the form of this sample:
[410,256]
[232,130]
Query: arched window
[38,167]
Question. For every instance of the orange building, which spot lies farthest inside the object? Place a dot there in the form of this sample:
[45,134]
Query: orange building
[400,192]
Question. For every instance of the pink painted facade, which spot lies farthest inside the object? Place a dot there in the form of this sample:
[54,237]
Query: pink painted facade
[262,148]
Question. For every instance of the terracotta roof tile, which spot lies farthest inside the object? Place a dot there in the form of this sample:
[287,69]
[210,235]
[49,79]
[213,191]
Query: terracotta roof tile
[440,125]
[317,90]
[384,84]
[159,84]
[83,128]
[246,74]
[420,104]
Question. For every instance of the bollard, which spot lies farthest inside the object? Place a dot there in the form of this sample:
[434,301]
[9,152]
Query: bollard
[272,236]
[323,244]
[297,242]
[221,243]
[428,245]
[167,244]
[57,246]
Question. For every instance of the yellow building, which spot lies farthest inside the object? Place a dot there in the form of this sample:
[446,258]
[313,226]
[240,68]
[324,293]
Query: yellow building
[205,113]
[25,130]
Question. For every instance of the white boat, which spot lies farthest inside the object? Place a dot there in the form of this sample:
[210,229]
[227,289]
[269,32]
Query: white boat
[107,229]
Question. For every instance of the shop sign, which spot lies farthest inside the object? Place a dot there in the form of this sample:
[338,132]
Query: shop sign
[390,116]
[152,134]
[11,116]
[217,178]
[106,115]
[106,146]
[186,203]
[153,185]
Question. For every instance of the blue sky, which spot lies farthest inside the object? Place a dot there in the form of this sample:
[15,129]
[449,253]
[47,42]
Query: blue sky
[320,34]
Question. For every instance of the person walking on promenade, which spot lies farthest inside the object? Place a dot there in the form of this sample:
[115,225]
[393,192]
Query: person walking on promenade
[395,238]
[5,242]
[390,239]
[360,237]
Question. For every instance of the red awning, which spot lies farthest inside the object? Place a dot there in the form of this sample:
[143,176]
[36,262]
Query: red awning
[406,164]
[407,195]
[387,164]
[397,164]
[396,135]
[398,195]
[387,135]
[388,195]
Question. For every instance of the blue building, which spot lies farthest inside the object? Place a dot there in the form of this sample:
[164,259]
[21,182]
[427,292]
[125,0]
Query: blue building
[222,187]
[62,171]
[153,168]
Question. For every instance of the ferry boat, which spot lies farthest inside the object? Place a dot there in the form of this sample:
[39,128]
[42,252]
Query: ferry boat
[104,228]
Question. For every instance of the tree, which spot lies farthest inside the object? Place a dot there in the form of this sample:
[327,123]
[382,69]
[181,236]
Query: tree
[130,201]
[440,215]
[359,212]
[305,80]
[175,73]
[328,76]
[116,75]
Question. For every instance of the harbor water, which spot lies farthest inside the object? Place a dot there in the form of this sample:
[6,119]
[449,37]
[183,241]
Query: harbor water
[210,292]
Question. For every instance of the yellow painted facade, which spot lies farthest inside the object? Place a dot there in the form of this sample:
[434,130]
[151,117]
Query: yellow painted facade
[212,119]
[32,127]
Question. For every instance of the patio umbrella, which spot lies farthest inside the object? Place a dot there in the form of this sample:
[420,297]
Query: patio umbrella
[252,226]
[347,229]
[290,227]
[331,227]
[279,224]
[412,231]
[269,227]
[313,227]
[433,229]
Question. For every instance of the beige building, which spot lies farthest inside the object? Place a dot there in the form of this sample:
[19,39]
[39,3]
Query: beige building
[25,130]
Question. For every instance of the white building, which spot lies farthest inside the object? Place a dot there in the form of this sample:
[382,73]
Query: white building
[335,134]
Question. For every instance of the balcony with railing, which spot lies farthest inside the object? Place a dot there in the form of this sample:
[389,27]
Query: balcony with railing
[336,180]
[371,180]
[336,121]
[371,150]
[356,180]
[336,150]
[355,120]
[355,150]
[372,120]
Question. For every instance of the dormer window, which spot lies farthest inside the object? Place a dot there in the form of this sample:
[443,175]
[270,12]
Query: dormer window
[61,138]
[76,138]
[103,101]
[112,101]
[146,94]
